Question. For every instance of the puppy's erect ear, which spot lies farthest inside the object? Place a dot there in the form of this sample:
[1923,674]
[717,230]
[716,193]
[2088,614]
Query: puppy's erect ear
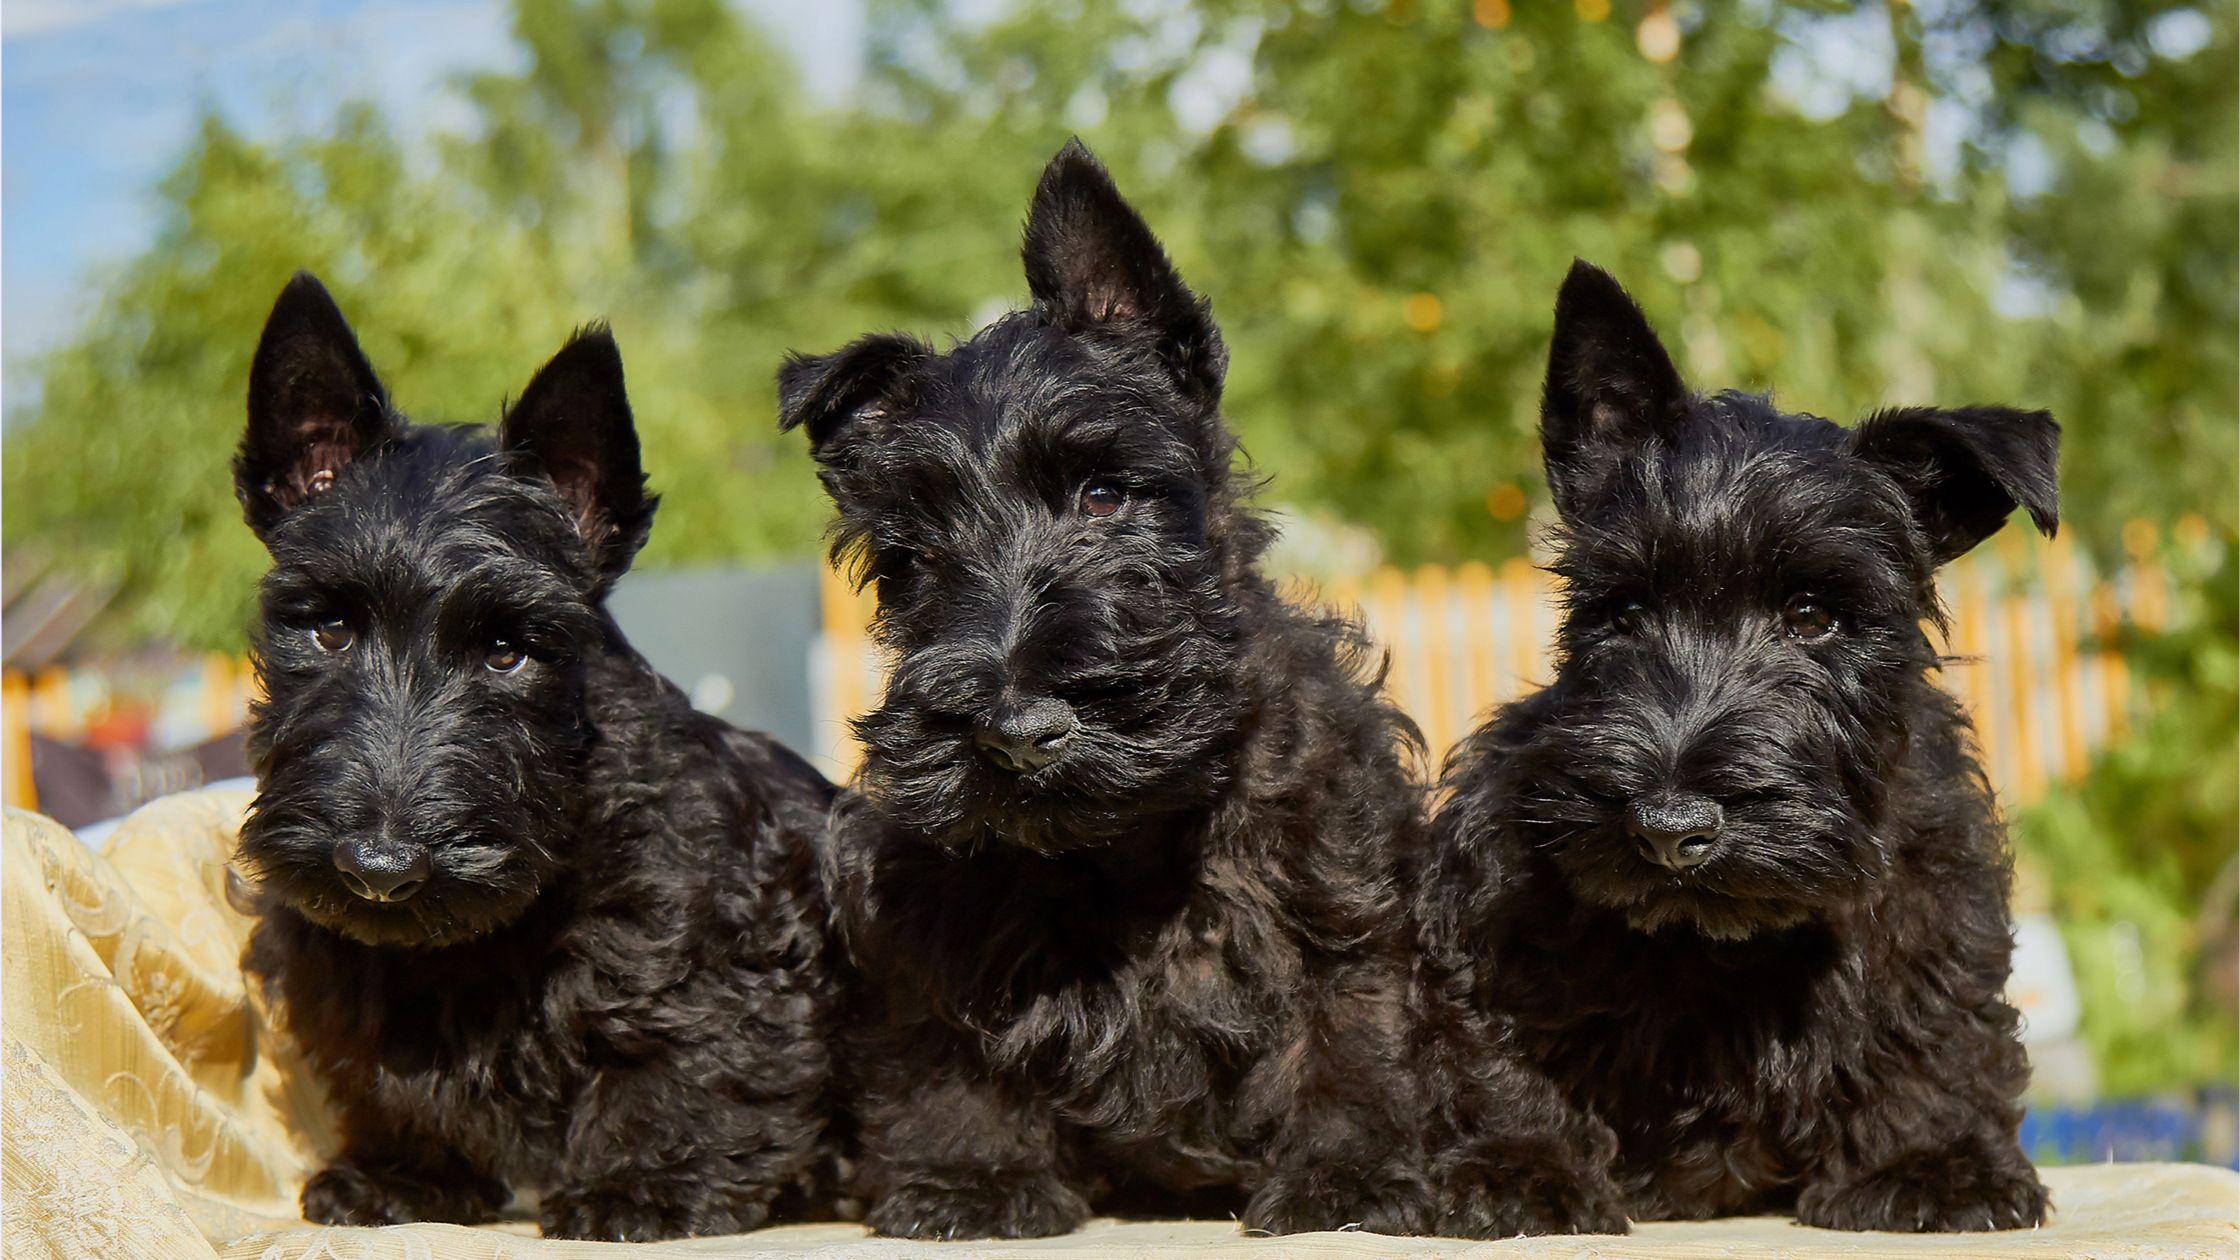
[573,422]
[867,379]
[1093,263]
[1611,386]
[314,406]
[1966,471]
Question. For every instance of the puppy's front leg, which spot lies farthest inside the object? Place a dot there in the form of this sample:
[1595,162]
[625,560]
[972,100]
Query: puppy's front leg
[675,1150]
[1512,1157]
[1348,1114]
[1978,1180]
[385,1176]
[952,1150]
[1934,1149]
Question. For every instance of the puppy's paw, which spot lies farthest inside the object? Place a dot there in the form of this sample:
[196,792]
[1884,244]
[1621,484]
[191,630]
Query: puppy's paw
[347,1193]
[1300,1201]
[1964,1188]
[641,1214]
[992,1205]
[1501,1191]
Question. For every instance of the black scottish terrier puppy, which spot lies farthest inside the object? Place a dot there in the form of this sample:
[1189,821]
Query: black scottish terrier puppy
[1736,878]
[532,918]
[1122,874]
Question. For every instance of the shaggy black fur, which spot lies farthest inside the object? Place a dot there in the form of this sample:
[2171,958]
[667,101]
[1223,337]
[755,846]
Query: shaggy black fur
[533,919]
[1123,873]
[1736,878]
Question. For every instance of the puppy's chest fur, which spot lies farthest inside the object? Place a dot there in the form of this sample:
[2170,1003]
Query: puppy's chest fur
[1132,991]
[1704,1057]
[1722,1065]
[451,1043]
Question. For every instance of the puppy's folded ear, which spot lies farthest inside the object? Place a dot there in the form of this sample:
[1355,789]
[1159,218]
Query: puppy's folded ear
[1965,471]
[870,378]
[1611,387]
[573,425]
[1092,262]
[314,406]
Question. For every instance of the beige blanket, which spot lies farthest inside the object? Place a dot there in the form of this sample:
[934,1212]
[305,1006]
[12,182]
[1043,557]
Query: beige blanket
[151,1110]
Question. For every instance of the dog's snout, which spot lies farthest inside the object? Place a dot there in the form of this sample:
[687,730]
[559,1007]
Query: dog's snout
[1676,830]
[1025,736]
[382,869]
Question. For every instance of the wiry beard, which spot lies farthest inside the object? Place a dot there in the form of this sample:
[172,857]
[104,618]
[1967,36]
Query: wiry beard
[1796,843]
[496,826]
[924,772]
[1145,658]
[474,887]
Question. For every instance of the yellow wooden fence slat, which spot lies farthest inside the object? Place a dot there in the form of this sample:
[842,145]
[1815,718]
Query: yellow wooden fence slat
[15,767]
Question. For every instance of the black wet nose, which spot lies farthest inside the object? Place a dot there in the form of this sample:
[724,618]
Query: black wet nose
[381,870]
[1027,735]
[1676,830]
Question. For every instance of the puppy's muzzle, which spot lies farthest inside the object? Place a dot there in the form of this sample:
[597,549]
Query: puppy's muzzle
[382,870]
[1027,735]
[1676,830]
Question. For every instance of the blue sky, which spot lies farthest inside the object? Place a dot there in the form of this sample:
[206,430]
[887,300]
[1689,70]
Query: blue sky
[98,98]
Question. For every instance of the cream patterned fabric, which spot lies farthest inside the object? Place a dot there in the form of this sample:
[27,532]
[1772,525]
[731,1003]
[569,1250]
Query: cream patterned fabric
[148,1108]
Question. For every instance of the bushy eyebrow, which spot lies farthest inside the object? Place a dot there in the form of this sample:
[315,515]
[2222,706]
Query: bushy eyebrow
[532,605]
[1100,438]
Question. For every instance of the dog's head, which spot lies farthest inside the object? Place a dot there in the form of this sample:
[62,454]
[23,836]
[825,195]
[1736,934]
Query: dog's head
[433,600]
[1746,593]
[1048,515]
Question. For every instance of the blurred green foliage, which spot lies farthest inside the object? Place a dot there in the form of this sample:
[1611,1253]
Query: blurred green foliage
[2028,201]
[2134,850]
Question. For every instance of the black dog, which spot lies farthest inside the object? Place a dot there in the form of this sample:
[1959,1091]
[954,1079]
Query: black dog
[1123,873]
[532,918]
[1736,877]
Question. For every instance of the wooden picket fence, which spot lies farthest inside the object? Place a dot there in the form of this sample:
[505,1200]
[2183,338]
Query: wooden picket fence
[2025,617]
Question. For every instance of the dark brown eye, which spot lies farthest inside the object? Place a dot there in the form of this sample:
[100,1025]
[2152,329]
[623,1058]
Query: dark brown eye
[1630,618]
[1805,619]
[503,658]
[333,636]
[1099,498]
